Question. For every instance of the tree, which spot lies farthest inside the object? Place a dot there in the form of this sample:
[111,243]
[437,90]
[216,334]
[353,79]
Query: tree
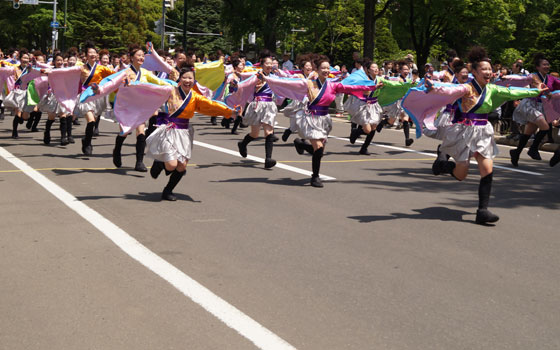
[549,40]
[371,16]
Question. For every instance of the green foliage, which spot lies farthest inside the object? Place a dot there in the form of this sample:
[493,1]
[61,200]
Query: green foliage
[549,40]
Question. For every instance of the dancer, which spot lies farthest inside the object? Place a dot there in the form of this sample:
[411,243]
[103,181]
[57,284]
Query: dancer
[530,111]
[50,105]
[134,73]
[171,144]
[261,112]
[366,109]
[471,135]
[314,123]
[92,73]
[395,110]
[17,98]
[291,110]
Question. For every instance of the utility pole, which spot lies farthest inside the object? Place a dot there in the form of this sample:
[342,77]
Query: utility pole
[185,25]
[64,34]
[55,28]
[163,30]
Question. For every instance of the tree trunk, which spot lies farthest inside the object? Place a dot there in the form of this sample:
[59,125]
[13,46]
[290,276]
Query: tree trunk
[270,26]
[369,28]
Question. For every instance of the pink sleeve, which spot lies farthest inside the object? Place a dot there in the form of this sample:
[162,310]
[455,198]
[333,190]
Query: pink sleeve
[7,77]
[551,106]
[65,83]
[515,80]
[243,94]
[43,65]
[33,74]
[355,90]
[295,89]
[154,62]
[438,75]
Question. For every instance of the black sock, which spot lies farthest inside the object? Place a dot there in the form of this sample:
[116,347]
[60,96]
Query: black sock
[236,123]
[89,133]
[119,140]
[316,161]
[538,138]
[523,139]
[151,125]
[268,145]
[484,189]
[36,119]
[548,132]
[69,122]
[97,120]
[406,128]
[174,180]
[140,146]
[15,123]
[368,139]
[308,147]
[248,138]
[48,125]
[63,127]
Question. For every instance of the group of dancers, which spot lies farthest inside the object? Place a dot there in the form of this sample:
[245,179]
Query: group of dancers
[451,106]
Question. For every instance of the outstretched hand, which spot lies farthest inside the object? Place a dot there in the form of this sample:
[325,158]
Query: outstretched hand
[149,47]
[543,89]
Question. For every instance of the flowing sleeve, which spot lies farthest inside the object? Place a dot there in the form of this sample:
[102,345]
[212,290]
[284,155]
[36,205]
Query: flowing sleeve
[65,82]
[292,88]
[7,77]
[244,92]
[137,102]
[151,78]
[154,62]
[32,75]
[210,75]
[501,95]
[340,88]
[211,108]
[555,83]
[515,80]
[422,104]
[391,92]
[106,86]
[551,106]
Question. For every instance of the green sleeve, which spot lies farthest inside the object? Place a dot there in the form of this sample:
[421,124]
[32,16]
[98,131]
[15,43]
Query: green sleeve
[392,91]
[501,94]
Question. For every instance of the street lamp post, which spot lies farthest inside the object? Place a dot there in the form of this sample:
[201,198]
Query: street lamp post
[294,39]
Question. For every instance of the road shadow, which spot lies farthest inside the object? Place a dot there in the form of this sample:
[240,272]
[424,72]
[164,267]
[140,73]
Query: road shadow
[282,182]
[431,213]
[141,196]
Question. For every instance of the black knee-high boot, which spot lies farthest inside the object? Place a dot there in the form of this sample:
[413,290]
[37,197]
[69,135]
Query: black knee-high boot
[140,146]
[483,215]
[96,129]
[534,149]
[87,148]
[117,158]
[550,138]
[355,133]
[443,167]
[63,132]
[173,181]
[367,142]
[381,124]
[15,123]
[268,145]
[157,168]
[286,134]
[242,145]
[236,123]
[406,128]
[151,125]
[69,124]
[316,166]
[515,153]
[1,110]
[213,121]
[47,134]
[302,146]
[29,122]
[36,121]
[555,158]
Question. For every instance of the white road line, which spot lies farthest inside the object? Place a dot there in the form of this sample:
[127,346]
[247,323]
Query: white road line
[261,160]
[427,154]
[225,312]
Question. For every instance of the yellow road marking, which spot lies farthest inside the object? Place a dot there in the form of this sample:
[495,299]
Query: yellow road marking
[51,169]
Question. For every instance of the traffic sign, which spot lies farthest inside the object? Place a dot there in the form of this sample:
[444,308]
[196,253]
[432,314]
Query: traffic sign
[55,24]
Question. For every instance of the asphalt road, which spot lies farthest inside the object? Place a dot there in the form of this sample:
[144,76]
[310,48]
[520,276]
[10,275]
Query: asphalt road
[385,256]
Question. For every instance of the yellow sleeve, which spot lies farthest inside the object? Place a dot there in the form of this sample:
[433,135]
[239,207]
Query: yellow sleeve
[211,108]
[151,78]
[105,71]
